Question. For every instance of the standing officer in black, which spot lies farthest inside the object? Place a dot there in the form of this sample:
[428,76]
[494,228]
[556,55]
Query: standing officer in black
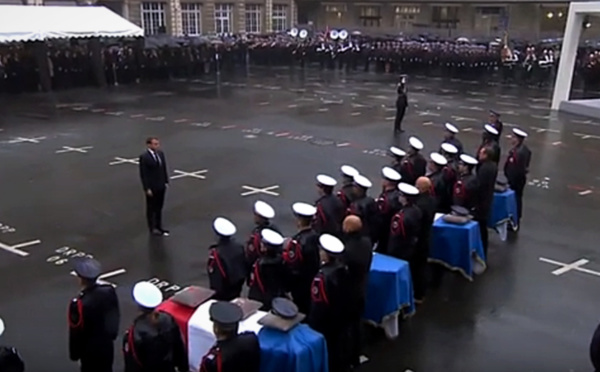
[226,266]
[401,105]
[155,179]
[414,164]
[450,137]
[494,121]
[397,154]
[466,188]
[263,213]
[365,207]
[427,204]
[331,299]
[516,167]
[269,276]
[301,256]
[388,204]
[153,343]
[440,191]
[489,138]
[487,172]
[10,360]
[406,227]
[233,352]
[330,209]
[93,320]
[346,193]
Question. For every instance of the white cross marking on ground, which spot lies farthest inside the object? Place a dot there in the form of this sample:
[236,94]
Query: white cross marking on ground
[118,161]
[82,150]
[197,174]
[28,140]
[568,267]
[110,274]
[257,190]
[15,248]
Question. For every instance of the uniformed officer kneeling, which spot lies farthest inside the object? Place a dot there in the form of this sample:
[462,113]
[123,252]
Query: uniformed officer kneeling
[233,352]
[154,341]
[10,360]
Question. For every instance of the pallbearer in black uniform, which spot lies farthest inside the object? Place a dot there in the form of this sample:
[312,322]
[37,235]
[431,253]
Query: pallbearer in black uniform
[263,213]
[346,193]
[226,266]
[331,299]
[358,255]
[414,164]
[487,172]
[406,227]
[365,207]
[268,278]
[516,167]
[301,256]
[450,137]
[154,342]
[397,155]
[451,154]
[465,191]
[441,191]
[389,204]
[155,179]
[494,121]
[233,352]
[330,209]
[489,138]
[427,204]
[93,320]
[10,360]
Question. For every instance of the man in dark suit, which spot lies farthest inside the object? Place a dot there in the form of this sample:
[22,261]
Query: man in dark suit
[153,173]
[487,171]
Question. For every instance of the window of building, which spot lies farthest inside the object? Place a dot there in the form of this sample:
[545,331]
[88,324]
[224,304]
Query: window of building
[253,18]
[153,18]
[370,16]
[445,16]
[334,14]
[279,17]
[405,16]
[191,18]
[223,18]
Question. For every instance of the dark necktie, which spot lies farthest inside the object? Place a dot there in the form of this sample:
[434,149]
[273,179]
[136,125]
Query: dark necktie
[155,156]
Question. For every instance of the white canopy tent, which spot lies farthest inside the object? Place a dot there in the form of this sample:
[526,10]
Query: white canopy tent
[37,23]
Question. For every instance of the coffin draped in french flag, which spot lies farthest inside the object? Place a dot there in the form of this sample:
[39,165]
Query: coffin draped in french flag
[299,350]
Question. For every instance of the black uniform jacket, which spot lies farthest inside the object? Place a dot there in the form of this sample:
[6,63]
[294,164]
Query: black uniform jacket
[487,172]
[413,166]
[439,190]
[153,173]
[427,204]
[227,269]
[268,280]
[389,204]
[516,166]
[346,195]
[10,360]
[367,209]
[240,353]
[404,232]
[93,323]
[154,345]
[330,213]
[254,242]
[301,256]
[358,255]
[465,192]
[496,151]
[456,142]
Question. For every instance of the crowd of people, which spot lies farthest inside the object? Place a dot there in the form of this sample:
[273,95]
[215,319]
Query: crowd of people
[130,62]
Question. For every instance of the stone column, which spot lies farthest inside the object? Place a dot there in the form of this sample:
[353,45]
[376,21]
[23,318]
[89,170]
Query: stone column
[175,26]
[208,15]
[240,17]
[293,14]
[268,15]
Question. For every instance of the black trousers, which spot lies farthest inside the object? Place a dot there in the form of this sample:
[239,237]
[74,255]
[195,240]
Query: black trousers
[518,188]
[154,206]
[483,230]
[398,120]
[101,361]
[418,271]
[356,340]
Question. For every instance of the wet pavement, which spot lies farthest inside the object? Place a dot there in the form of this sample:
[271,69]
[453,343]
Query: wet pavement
[69,188]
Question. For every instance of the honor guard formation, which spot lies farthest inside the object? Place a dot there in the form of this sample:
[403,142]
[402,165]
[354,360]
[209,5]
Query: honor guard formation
[163,58]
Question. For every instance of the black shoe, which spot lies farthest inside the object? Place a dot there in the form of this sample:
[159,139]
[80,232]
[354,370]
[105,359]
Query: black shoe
[164,232]
[156,232]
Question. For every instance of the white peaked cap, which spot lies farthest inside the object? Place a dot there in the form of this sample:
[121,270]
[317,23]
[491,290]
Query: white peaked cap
[263,209]
[468,159]
[437,158]
[224,227]
[331,244]
[397,151]
[1,327]
[415,143]
[390,174]
[491,129]
[271,237]
[147,295]
[348,170]
[449,148]
[326,180]
[362,181]
[304,209]
[519,133]
[451,128]
[408,189]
